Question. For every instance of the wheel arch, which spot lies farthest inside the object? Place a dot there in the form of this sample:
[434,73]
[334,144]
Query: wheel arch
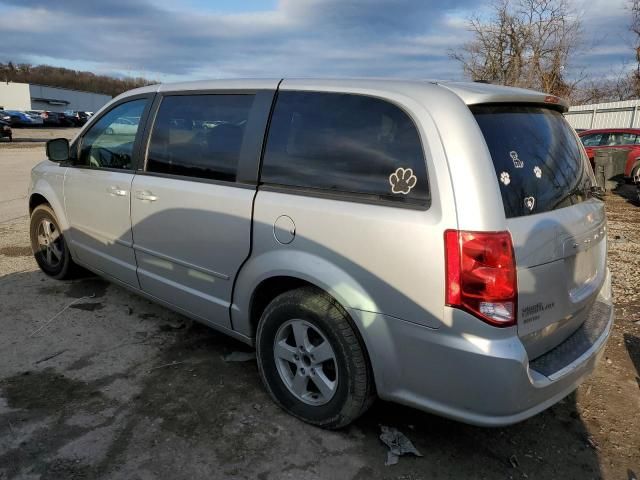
[35,200]
[635,164]
[43,193]
[267,290]
[264,277]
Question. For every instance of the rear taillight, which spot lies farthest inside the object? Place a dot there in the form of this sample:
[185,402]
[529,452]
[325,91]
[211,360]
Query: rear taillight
[481,275]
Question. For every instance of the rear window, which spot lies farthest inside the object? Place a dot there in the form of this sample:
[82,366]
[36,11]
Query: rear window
[536,156]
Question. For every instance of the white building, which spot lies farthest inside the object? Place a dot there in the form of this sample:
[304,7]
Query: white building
[605,115]
[25,96]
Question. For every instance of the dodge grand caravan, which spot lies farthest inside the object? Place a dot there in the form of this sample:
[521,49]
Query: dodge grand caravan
[437,244]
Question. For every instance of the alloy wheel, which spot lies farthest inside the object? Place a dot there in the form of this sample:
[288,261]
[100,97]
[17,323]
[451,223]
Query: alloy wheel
[306,362]
[50,243]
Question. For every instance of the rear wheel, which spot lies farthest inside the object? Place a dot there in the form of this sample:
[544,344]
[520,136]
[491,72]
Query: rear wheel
[48,244]
[311,360]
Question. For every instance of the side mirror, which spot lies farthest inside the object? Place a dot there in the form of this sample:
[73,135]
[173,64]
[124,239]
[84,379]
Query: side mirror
[58,150]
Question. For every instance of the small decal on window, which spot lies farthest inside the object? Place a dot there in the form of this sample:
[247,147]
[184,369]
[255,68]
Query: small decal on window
[530,202]
[402,180]
[516,161]
[537,171]
[505,178]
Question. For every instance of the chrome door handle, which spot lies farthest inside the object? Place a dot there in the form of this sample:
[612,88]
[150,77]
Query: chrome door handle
[116,191]
[146,196]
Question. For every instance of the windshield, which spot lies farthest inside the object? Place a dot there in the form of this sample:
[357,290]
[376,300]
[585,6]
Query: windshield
[537,158]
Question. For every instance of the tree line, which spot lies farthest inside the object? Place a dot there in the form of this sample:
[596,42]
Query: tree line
[66,78]
[532,44]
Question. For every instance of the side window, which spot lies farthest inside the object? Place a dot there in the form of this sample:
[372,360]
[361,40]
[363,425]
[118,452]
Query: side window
[614,139]
[629,138]
[109,142]
[199,135]
[345,143]
[592,140]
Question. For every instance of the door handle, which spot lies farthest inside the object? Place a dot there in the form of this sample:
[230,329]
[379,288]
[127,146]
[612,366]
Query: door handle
[146,196]
[116,191]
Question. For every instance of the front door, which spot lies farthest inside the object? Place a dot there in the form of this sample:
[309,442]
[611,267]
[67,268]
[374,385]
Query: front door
[191,207]
[97,192]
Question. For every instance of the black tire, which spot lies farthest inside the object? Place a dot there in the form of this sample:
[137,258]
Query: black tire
[355,389]
[64,267]
[634,171]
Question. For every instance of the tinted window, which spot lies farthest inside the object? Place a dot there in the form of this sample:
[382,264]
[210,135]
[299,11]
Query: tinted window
[620,138]
[109,142]
[345,143]
[537,160]
[199,135]
[592,140]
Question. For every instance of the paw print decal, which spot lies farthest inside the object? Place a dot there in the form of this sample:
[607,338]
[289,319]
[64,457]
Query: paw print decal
[402,180]
[537,171]
[505,178]
[516,161]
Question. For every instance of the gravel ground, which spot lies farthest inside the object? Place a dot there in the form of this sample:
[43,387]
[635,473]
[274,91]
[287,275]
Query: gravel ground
[98,383]
[16,160]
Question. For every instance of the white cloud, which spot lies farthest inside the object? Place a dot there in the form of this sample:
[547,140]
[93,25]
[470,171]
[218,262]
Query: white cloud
[399,38]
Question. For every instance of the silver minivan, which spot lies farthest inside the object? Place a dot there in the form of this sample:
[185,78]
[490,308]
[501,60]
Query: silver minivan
[437,244]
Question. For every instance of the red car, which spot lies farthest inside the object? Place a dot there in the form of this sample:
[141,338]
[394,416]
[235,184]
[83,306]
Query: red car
[621,138]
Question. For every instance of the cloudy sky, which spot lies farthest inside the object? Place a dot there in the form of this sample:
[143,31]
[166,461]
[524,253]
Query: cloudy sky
[170,40]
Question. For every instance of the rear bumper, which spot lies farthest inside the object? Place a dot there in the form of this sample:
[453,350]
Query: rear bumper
[472,378]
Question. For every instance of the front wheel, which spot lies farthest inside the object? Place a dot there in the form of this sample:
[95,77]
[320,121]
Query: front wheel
[48,244]
[311,360]
[635,174]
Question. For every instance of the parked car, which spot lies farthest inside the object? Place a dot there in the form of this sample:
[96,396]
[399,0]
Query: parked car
[78,118]
[52,118]
[39,114]
[36,115]
[436,244]
[5,130]
[123,126]
[23,119]
[5,117]
[66,121]
[615,138]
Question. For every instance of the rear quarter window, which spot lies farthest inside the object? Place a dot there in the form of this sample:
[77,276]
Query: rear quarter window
[537,158]
[356,145]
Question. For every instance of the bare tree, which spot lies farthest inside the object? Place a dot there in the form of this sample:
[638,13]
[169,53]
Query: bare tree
[525,43]
[634,6]
[65,78]
[622,86]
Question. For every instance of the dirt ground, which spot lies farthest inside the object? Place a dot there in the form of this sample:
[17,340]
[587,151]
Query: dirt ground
[98,383]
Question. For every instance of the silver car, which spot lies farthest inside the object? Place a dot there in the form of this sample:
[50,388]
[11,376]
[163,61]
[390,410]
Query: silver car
[437,244]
